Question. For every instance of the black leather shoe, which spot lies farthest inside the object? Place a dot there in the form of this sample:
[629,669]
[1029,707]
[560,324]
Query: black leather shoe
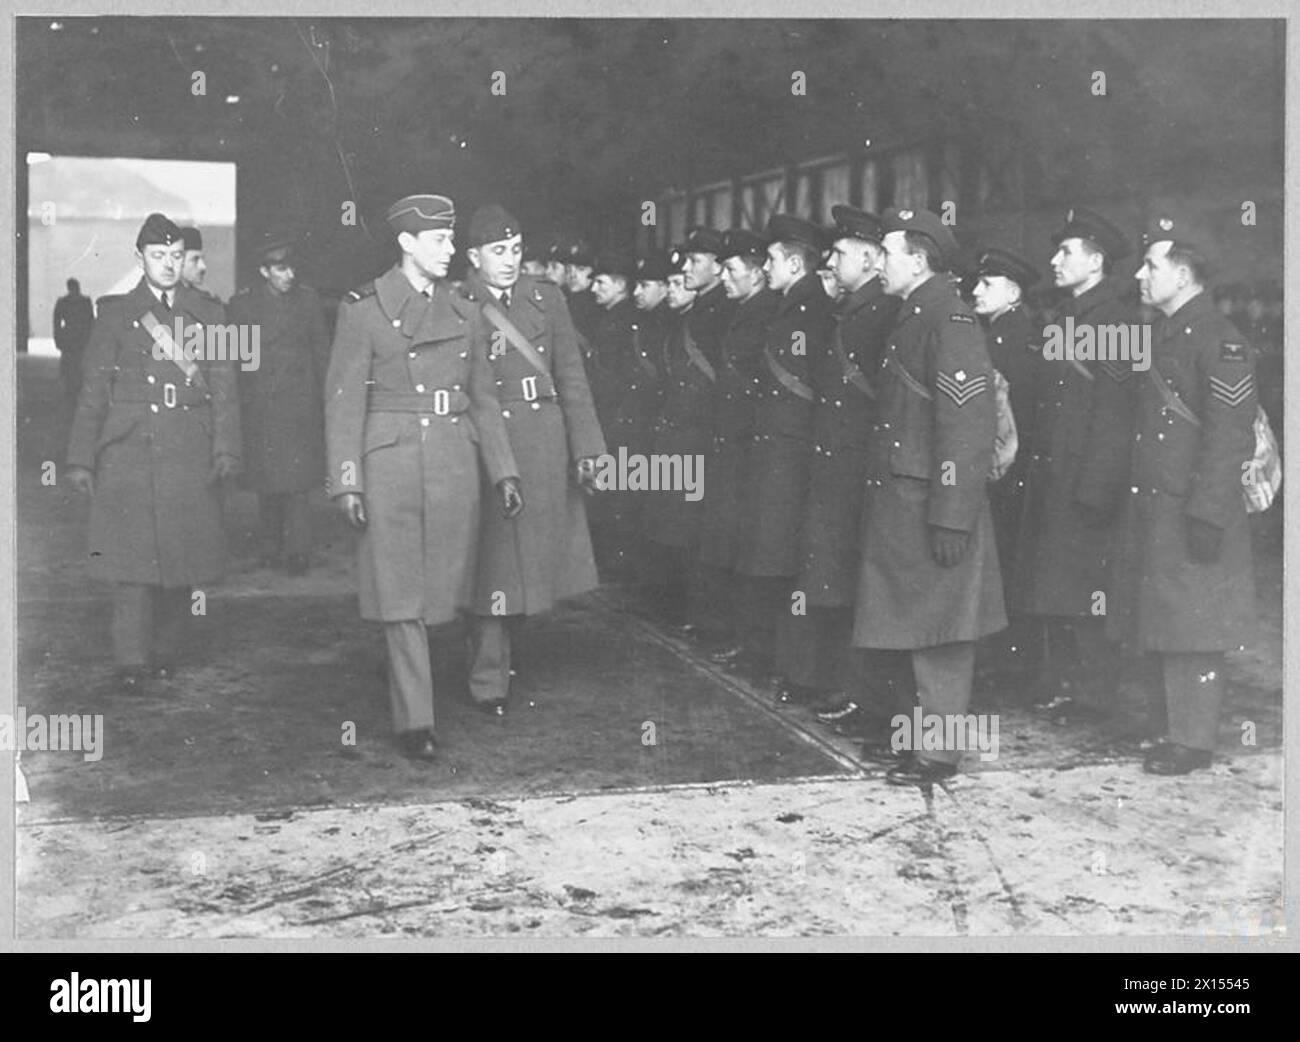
[497,707]
[919,772]
[836,710]
[789,693]
[297,564]
[726,655]
[418,745]
[882,751]
[1172,758]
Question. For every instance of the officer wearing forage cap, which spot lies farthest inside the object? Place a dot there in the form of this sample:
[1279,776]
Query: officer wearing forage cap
[1183,575]
[282,400]
[1003,278]
[153,434]
[411,418]
[929,584]
[780,456]
[529,562]
[1075,473]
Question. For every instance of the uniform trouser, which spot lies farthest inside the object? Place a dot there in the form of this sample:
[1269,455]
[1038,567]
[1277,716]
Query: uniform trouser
[763,600]
[813,649]
[286,522]
[943,683]
[410,675]
[491,637]
[1193,695]
[883,684]
[148,619]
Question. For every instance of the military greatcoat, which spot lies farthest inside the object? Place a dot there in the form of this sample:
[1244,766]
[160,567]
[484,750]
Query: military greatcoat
[412,421]
[528,562]
[780,455]
[927,461]
[841,420]
[1082,430]
[1162,600]
[151,436]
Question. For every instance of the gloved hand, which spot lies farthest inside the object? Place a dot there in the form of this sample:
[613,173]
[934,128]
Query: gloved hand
[1091,516]
[1204,541]
[353,505]
[586,472]
[81,480]
[947,545]
[223,467]
[512,500]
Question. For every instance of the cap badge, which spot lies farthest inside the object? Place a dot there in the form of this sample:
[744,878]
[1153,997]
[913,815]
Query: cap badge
[905,215]
[1069,215]
[1166,225]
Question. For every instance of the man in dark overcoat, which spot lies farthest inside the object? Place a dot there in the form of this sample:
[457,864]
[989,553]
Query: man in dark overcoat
[281,402]
[412,427]
[929,583]
[529,562]
[1074,476]
[155,430]
[1183,576]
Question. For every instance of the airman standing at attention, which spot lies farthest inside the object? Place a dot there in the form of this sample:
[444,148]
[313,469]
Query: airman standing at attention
[929,583]
[1183,577]
[1075,475]
[412,421]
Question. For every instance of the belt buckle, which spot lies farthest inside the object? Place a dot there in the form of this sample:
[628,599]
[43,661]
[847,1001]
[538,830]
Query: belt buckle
[529,386]
[441,402]
[169,395]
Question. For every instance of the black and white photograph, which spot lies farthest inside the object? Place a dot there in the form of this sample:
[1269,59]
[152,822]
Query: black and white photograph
[647,479]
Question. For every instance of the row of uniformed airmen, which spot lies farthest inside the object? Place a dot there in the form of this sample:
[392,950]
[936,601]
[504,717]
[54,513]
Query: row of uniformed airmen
[844,542]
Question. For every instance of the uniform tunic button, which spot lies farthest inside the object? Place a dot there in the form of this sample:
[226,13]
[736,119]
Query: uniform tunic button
[412,355]
[505,413]
[898,444]
[424,421]
[455,387]
[464,354]
[455,419]
[1160,436]
[153,407]
[537,405]
[151,379]
[396,322]
[1135,490]
[420,388]
[540,348]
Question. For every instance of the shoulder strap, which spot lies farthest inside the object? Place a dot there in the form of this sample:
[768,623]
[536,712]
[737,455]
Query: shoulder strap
[517,340]
[1083,369]
[786,378]
[910,381]
[852,371]
[1171,398]
[695,354]
[162,336]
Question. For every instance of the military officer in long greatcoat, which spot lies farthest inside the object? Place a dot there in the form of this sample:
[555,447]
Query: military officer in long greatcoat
[281,402]
[154,433]
[1074,476]
[929,582]
[529,562]
[779,461]
[1183,576]
[412,421]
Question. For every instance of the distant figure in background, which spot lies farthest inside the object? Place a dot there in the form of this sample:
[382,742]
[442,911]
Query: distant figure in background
[282,403]
[195,269]
[73,317]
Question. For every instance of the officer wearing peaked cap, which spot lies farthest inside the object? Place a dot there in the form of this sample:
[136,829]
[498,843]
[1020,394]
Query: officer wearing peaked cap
[745,282]
[842,415]
[411,418]
[929,583]
[153,433]
[1075,471]
[578,278]
[1002,280]
[780,455]
[282,400]
[1183,576]
[529,562]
